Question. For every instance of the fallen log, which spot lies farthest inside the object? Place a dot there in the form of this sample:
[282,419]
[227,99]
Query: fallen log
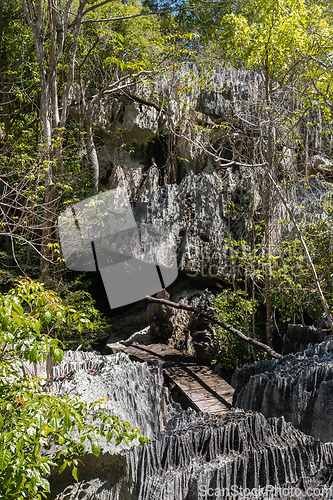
[219,322]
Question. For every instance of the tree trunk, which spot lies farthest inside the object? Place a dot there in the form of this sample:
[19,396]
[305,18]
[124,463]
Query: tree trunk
[306,152]
[6,110]
[267,213]
[49,208]
[92,159]
[5,96]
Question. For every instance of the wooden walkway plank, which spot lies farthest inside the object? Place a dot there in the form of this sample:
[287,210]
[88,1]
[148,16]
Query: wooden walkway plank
[204,389]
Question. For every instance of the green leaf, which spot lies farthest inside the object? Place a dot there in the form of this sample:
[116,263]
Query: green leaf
[17,308]
[95,448]
[30,420]
[143,439]
[67,420]
[5,457]
[54,424]
[63,467]
[37,449]
[118,440]
[45,484]
[16,318]
[47,317]
[75,473]
[5,322]
[19,481]
[57,354]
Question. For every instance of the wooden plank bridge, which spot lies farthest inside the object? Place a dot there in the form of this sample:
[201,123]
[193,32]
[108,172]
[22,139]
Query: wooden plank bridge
[204,390]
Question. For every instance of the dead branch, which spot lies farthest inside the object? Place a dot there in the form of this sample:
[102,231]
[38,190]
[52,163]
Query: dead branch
[62,377]
[224,325]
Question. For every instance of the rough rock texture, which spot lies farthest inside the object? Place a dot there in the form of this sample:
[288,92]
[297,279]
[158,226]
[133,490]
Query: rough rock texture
[200,453]
[136,130]
[190,201]
[189,454]
[134,391]
[298,337]
[159,317]
[190,334]
[231,94]
[194,335]
[299,387]
[195,214]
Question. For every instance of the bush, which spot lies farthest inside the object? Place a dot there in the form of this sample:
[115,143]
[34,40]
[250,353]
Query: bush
[233,307]
[72,337]
[32,420]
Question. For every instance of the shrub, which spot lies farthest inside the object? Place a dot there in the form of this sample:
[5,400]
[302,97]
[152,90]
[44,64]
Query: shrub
[233,308]
[32,420]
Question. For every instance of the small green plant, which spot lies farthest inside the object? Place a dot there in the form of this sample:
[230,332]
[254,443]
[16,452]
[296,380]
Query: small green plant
[294,293]
[72,337]
[31,420]
[232,308]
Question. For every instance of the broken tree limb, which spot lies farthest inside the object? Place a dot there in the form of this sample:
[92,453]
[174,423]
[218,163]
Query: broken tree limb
[219,322]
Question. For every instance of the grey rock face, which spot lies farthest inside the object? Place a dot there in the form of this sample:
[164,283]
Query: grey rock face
[195,215]
[299,387]
[298,338]
[189,200]
[307,198]
[134,391]
[240,89]
[194,335]
[139,130]
[199,454]
[189,454]
[159,317]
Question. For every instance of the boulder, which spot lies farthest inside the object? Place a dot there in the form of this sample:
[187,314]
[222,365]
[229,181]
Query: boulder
[159,317]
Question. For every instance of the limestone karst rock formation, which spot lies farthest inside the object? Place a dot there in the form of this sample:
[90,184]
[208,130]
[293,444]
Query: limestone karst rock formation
[134,392]
[297,386]
[189,455]
[185,192]
[196,215]
[299,337]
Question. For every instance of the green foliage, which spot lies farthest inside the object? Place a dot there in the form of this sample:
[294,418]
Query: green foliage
[235,309]
[124,46]
[32,420]
[72,337]
[271,34]
[294,293]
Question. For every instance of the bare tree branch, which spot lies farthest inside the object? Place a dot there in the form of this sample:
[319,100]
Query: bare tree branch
[143,14]
[219,322]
